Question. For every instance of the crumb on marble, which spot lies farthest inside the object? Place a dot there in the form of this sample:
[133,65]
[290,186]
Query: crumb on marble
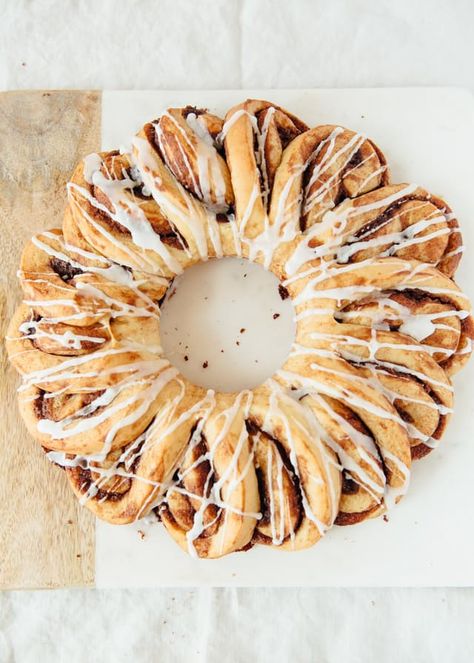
[283,292]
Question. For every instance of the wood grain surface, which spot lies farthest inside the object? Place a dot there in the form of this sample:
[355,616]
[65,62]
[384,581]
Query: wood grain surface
[46,538]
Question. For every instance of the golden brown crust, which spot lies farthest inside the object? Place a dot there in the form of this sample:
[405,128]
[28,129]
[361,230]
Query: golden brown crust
[381,327]
[209,512]
[301,486]
[256,136]
[184,138]
[321,168]
[107,205]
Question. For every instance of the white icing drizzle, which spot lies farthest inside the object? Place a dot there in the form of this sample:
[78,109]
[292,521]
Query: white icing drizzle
[322,364]
[209,184]
[188,214]
[127,213]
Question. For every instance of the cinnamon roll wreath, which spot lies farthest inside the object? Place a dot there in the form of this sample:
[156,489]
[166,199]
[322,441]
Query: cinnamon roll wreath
[381,328]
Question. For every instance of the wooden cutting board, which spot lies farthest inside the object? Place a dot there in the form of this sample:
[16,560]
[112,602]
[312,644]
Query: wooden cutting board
[46,538]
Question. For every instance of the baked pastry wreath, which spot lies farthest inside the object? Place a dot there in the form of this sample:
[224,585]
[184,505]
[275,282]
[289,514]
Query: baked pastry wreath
[381,328]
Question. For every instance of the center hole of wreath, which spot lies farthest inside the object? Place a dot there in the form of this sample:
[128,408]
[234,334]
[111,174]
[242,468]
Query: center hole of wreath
[225,325]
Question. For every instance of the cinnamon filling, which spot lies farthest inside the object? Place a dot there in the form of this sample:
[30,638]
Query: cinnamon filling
[64,269]
[287,131]
[33,317]
[385,216]
[420,448]
[291,501]
[349,486]
[179,165]
[57,408]
[196,476]
[116,487]
[420,295]
[348,518]
[287,135]
[355,161]
[179,168]
[417,301]
[284,294]
[83,479]
[174,239]
[168,235]
[187,110]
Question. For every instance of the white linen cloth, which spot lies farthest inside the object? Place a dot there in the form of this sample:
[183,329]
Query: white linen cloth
[129,44]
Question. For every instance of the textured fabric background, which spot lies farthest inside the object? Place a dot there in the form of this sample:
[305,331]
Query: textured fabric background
[223,44]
